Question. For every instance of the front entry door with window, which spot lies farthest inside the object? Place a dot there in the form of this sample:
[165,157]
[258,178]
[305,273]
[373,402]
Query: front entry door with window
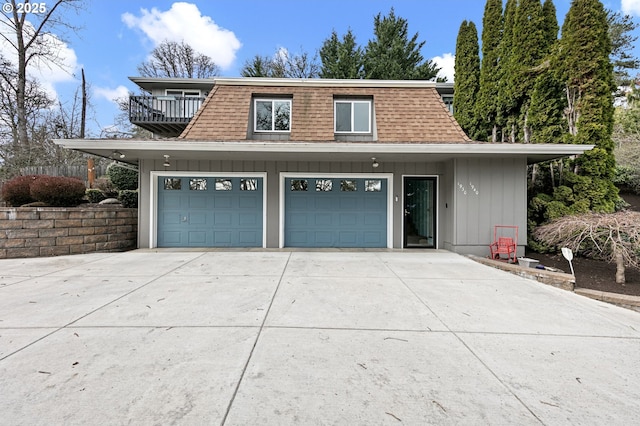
[420,212]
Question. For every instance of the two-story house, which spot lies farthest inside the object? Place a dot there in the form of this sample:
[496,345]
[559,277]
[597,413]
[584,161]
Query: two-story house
[318,163]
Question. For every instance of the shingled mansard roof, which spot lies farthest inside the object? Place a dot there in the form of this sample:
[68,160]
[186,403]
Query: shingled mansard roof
[410,123]
[404,111]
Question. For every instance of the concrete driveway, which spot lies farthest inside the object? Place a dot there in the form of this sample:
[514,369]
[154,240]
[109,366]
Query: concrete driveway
[298,337]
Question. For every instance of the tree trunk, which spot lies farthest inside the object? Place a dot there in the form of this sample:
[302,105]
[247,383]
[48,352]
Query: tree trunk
[620,278]
[494,134]
[21,111]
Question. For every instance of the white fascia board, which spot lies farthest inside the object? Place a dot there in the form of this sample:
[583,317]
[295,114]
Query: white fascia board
[324,147]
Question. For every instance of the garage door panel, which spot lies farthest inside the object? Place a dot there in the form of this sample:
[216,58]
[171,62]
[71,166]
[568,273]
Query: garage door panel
[345,216]
[249,237]
[222,201]
[247,219]
[323,238]
[247,202]
[197,218]
[172,237]
[299,219]
[170,202]
[222,238]
[323,219]
[349,203]
[348,237]
[191,212]
[348,219]
[373,237]
[222,218]
[197,237]
[197,202]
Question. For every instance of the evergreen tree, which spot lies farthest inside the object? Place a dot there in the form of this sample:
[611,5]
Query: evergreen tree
[528,50]
[621,30]
[487,100]
[549,24]
[392,55]
[467,81]
[506,100]
[583,65]
[341,59]
[545,116]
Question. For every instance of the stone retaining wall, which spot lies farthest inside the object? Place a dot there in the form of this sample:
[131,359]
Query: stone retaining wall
[54,231]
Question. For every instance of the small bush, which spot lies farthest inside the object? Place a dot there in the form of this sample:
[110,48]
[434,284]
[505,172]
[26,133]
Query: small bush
[17,192]
[95,195]
[58,191]
[128,198]
[108,189]
[122,178]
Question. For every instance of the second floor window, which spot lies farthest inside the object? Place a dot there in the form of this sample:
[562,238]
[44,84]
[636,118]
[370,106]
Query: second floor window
[272,115]
[352,116]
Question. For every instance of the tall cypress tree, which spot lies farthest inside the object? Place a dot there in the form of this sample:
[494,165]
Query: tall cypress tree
[528,49]
[549,24]
[583,65]
[546,111]
[506,100]
[392,55]
[341,59]
[467,80]
[487,100]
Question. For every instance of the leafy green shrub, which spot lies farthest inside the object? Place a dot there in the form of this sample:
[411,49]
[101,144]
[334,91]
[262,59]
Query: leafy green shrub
[128,198]
[108,189]
[58,191]
[95,195]
[627,179]
[17,192]
[122,178]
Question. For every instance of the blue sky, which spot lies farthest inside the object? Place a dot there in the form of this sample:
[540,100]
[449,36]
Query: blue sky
[117,35]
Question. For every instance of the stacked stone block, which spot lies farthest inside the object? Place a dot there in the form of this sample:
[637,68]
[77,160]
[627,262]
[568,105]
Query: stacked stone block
[54,231]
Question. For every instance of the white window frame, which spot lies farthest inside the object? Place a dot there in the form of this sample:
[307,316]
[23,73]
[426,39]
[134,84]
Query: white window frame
[352,102]
[272,100]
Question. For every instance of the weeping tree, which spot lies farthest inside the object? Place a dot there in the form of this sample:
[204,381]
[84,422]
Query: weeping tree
[614,238]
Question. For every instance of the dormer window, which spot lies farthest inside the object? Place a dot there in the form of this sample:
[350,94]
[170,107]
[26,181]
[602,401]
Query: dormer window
[272,115]
[352,116]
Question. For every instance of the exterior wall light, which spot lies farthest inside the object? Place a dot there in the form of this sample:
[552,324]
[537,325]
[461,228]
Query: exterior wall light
[117,154]
[375,163]
[166,161]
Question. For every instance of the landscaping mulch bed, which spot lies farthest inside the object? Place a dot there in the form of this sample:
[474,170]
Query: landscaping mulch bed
[595,274]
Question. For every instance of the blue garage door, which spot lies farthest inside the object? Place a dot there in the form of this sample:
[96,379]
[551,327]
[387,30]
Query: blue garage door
[209,212]
[335,212]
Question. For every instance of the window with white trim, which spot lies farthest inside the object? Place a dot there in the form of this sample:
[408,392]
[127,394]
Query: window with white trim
[272,115]
[352,116]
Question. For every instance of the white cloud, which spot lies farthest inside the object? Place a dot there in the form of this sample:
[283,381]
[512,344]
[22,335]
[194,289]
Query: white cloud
[112,95]
[631,7]
[446,63]
[57,68]
[184,22]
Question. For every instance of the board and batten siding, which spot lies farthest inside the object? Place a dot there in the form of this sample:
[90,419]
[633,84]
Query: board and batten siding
[488,192]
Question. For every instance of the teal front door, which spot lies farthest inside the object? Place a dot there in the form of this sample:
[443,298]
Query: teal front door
[210,211]
[335,212]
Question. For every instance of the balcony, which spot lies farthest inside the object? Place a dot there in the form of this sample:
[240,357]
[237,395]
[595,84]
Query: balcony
[165,116]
